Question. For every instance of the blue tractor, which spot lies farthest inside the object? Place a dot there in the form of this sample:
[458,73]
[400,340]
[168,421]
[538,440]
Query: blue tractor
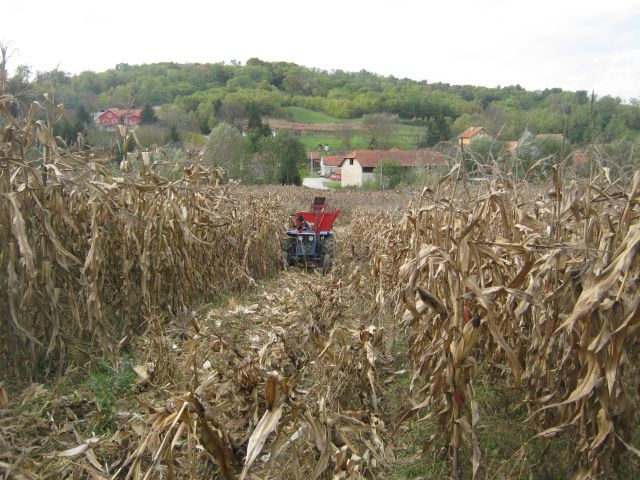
[312,238]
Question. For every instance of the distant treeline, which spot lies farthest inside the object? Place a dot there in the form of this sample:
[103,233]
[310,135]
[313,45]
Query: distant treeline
[200,96]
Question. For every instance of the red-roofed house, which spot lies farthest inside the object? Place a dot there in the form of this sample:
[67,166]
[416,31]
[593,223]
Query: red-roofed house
[472,132]
[329,164]
[110,118]
[315,156]
[358,165]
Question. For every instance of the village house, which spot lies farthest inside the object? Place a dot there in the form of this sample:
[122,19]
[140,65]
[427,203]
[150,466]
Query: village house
[358,166]
[472,132]
[329,164]
[110,118]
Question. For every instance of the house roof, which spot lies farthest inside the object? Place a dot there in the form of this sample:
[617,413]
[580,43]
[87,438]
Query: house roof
[123,111]
[332,161]
[406,158]
[473,131]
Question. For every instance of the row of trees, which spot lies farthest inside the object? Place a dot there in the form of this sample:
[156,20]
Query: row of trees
[259,156]
[207,94]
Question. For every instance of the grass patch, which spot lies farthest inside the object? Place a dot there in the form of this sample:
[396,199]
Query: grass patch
[506,439]
[508,450]
[109,384]
[302,115]
[405,139]
[332,184]
[311,140]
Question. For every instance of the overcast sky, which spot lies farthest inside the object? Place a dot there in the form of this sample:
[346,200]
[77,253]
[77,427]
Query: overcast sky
[575,45]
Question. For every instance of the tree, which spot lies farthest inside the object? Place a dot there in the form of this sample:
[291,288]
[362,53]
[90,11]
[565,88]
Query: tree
[285,155]
[481,153]
[389,173]
[552,146]
[20,80]
[171,115]
[436,131]
[254,121]
[83,118]
[82,122]
[150,136]
[232,112]
[173,136]
[65,130]
[345,133]
[381,127]
[292,156]
[224,149]
[148,115]
[256,129]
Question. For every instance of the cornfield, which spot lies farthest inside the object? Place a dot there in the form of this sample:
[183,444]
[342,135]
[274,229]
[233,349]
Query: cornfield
[541,291]
[241,370]
[87,253]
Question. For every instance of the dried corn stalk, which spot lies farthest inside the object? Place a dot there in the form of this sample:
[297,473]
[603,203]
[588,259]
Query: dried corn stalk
[551,282]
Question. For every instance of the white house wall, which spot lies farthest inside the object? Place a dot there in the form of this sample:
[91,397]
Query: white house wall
[351,174]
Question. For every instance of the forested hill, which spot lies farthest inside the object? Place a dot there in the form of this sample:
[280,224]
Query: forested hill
[205,94]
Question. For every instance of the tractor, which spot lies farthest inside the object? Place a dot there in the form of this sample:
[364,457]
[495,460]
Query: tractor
[312,238]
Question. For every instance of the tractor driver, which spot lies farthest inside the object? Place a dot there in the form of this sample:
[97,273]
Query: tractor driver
[302,224]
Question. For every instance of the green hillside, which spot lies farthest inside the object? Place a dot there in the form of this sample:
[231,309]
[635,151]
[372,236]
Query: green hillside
[194,98]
